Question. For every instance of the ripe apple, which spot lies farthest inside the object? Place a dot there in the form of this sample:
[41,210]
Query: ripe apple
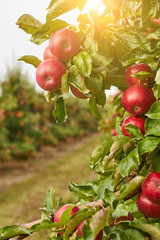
[47,54]
[64,44]
[134,69]
[49,73]
[148,208]
[80,233]
[151,187]
[137,121]
[59,213]
[137,99]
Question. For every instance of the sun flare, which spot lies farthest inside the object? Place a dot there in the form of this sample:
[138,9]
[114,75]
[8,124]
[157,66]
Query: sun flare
[94,4]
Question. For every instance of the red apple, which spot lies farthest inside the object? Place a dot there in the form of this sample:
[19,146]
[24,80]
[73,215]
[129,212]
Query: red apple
[148,208]
[137,121]
[59,213]
[49,73]
[47,54]
[134,69]
[113,132]
[137,99]
[151,187]
[80,233]
[64,44]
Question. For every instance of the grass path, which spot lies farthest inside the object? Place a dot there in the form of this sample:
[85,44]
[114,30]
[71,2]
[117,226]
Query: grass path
[21,203]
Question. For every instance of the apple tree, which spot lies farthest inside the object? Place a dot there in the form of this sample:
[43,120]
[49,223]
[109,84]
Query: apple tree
[119,47]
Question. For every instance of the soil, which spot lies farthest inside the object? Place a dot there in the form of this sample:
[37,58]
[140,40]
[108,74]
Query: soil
[14,172]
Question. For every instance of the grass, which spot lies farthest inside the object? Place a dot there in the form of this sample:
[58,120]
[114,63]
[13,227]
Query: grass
[21,203]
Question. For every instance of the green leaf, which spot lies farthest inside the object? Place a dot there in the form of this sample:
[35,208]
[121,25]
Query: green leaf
[93,107]
[107,183]
[152,127]
[95,81]
[148,144]
[45,224]
[130,187]
[100,151]
[121,210]
[100,98]
[134,234]
[83,191]
[29,24]
[118,126]
[152,229]
[11,231]
[47,30]
[49,202]
[60,112]
[83,62]
[101,60]
[66,215]
[109,197]
[90,43]
[134,131]
[31,60]
[61,6]
[154,112]
[52,96]
[130,162]
[156,162]
[64,83]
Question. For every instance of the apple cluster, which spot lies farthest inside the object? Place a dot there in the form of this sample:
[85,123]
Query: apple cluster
[148,201]
[138,97]
[64,44]
[75,209]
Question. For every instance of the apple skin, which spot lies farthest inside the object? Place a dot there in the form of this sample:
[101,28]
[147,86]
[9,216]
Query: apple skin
[47,54]
[137,121]
[148,208]
[49,73]
[80,233]
[59,213]
[137,99]
[64,44]
[134,69]
[113,132]
[151,187]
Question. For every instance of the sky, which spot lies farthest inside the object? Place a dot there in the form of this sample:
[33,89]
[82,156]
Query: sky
[14,42]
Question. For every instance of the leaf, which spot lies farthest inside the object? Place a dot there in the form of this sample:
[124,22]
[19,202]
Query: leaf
[130,187]
[134,234]
[93,107]
[101,60]
[83,62]
[11,231]
[121,210]
[45,224]
[152,229]
[95,81]
[47,30]
[60,112]
[29,24]
[152,127]
[154,112]
[130,162]
[49,200]
[90,43]
[83,191]
[31,60]
[62,6]
[64,83]
[107,183]
[156,162]
[134,131]
[66,215]
[148,144]
[98,221]
[100,98]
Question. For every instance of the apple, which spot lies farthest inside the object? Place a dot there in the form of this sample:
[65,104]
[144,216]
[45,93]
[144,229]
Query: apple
[76,92]
[49,73]
[80,233]
[134,69]
[47,54]
[64,44]
[151,187]
[59,213]
[137,121]
[137,99]
[148,208]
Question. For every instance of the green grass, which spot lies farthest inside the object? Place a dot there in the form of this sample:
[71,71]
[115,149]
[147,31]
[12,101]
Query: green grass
[21,203]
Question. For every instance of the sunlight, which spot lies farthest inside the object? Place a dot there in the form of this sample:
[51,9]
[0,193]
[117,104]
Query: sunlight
[94,4]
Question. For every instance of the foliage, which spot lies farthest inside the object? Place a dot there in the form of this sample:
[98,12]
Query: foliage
[109,43]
